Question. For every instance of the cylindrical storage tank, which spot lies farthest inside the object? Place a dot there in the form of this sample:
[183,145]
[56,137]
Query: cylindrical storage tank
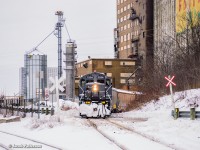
[70,61]
[36,75]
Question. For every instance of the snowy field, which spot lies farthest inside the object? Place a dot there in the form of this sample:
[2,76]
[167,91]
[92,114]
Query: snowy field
[153,124]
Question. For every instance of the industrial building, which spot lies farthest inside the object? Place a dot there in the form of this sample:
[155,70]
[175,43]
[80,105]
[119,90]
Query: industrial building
[120,70]
[171,20]
[164,26]
[22,81]
[134,32]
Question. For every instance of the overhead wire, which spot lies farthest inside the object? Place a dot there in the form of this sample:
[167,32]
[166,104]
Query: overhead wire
[45,39]
[35,48]
[67,31]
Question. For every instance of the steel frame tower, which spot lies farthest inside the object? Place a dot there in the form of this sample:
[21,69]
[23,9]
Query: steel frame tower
[59,26]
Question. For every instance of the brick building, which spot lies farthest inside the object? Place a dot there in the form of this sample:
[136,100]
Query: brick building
[120,70]
[134,32]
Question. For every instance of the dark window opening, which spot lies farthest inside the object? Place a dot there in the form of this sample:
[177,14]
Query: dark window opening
[88,81]
[100,81]
[143,34]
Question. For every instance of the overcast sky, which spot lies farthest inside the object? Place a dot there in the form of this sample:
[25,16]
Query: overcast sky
[25,23]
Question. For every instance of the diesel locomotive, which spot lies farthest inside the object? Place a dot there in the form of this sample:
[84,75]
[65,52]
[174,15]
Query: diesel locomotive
[95,95]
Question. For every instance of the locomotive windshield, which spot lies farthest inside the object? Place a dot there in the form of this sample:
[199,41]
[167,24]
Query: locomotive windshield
[100,81]
[88,81]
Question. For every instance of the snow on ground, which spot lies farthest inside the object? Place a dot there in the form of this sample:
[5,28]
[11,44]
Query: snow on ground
[183,133]
[74,133]
[71,133]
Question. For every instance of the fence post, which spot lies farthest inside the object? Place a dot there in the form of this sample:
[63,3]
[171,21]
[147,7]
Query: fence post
[32,108]
[42,110]
[17,107]
[176,113]
[24,114]
[6,107]
[12,107]
[52,111]
[47,111]
[192,113]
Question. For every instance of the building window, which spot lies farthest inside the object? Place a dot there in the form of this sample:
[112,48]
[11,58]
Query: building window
[125,38]
[125,8]
[127,63]
[126,75]
[125,27]
[131,81]
[124,18]
[118,11]
[122,81]
[122,39]
[108,63]
[128,36]
[109,74]
[143,34]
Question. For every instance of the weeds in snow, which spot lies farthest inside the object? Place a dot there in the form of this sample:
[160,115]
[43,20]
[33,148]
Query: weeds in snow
[46,122]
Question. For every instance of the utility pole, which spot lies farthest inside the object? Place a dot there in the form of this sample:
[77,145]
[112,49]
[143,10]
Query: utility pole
[58,28]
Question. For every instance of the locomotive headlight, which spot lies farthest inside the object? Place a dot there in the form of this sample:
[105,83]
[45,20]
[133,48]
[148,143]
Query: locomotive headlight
[95,88]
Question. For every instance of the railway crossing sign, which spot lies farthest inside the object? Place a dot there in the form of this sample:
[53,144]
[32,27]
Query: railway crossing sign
[56,86]
[46,94]
[170,81]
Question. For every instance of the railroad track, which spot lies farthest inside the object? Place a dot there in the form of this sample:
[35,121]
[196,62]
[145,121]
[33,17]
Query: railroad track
[93,124]
[4,147]
[123,130]
[24,142]
[140,133]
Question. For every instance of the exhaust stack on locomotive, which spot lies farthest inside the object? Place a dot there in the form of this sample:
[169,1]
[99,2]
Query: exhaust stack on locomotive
[95,95]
